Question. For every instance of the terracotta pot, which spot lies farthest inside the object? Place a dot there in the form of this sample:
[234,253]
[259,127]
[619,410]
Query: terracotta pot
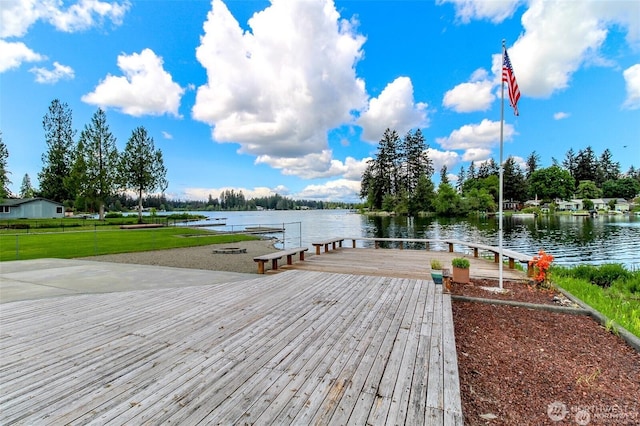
[461,275]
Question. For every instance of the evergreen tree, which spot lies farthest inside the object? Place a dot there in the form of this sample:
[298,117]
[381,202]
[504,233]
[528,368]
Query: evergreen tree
[417,162]
[99,156]
[141,166]
[484,171]
[471,174]
[444,178]
[493,167]
[4,173]
[533,162]
[607,168]
[569,162]
[77,179]
[461,179]
[26,190]
[421,199]
[586,165]
[514,183]
[58,159]
[382,174]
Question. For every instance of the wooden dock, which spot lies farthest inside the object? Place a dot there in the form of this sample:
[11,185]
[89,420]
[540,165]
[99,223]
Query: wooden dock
[298,347]
[399,263]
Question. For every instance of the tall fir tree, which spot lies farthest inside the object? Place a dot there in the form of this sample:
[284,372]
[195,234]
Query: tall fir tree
[58,160]
[141,167]
[26,189]
[533,162]
[4,172]
[97,161]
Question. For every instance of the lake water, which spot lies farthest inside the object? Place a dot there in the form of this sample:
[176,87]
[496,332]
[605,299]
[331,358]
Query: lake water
[570,239]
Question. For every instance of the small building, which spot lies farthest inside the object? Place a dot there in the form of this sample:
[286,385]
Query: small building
[30,208]
[571,205]
[511,205]
[600,204]
[619,204]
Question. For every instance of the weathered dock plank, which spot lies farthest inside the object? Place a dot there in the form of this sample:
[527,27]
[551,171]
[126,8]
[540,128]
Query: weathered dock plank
[299,347]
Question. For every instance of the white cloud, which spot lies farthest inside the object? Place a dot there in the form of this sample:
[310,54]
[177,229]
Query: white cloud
[562,36]
[278,88]
[17,16]
[493,10]
[473,96]
[167,135]
[443,158]
[482,135]
[561,115]
[632,80]
[395,109]
[316,165]
[559,37]
[13,54]
[335,190]
[87,13]
[54,75]
[476,154]
[145,89]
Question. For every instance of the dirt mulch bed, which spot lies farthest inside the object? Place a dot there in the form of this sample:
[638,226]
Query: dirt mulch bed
[519,291]
[523,366]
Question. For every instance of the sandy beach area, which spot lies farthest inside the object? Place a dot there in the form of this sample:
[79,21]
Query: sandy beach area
[203,257]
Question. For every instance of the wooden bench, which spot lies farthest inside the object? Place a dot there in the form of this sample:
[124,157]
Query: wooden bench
[276,256]
[511,255]
[326,243]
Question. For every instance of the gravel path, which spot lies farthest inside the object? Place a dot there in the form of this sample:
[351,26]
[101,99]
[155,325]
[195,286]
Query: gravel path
[202,257]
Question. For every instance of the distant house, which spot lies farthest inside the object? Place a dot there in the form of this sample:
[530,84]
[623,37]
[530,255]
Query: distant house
[30,208]
[511,205]
[620,204]
[571,205]
[599,204]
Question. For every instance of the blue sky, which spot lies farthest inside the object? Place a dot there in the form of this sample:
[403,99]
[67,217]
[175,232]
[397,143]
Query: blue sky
[293,96]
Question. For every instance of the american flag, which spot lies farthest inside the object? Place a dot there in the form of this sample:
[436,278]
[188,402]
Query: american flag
[512,85]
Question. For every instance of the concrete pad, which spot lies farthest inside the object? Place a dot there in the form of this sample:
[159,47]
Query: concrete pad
[40,278]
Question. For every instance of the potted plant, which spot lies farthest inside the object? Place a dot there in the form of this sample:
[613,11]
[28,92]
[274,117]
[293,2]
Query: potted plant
[460,270]
[436,271]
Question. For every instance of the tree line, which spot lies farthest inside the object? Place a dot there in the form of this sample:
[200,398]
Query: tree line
[229,200]
[84,174]
[398,179]
[89,174]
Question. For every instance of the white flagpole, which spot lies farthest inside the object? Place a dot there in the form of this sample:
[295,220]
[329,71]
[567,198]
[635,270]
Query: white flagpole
[500,197]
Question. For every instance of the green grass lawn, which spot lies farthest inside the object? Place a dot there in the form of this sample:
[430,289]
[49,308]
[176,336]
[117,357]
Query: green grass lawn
[66,245]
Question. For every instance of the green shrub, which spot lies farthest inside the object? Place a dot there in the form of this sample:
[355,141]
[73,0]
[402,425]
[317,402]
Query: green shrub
[606,274]
[113,215]
[460,262]
[583,272]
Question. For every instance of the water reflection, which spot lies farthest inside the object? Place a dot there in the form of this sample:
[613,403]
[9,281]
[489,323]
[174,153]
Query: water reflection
[571,239]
